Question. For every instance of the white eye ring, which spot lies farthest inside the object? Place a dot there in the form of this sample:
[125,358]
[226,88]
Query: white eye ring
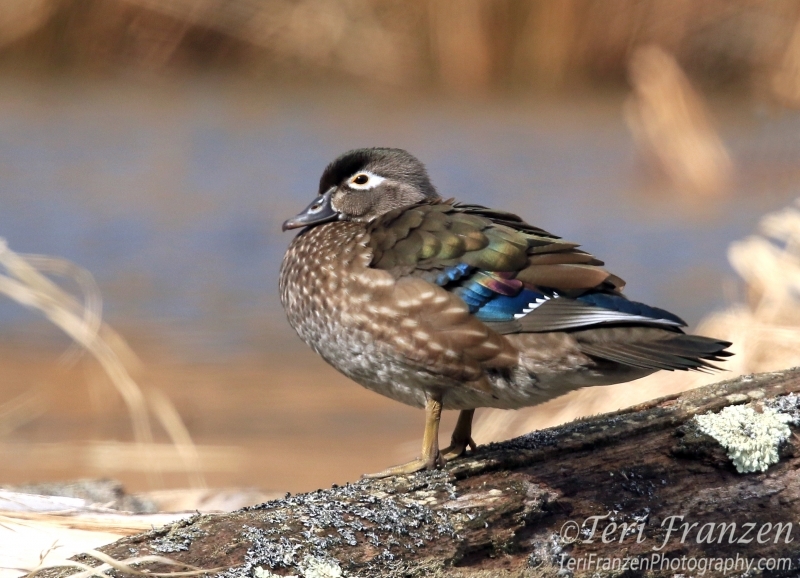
[372,181]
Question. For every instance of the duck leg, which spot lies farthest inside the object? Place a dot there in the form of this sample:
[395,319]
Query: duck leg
[431,456]
[462,436]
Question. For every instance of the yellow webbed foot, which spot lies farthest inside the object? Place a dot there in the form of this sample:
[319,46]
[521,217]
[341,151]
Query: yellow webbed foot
[410,468]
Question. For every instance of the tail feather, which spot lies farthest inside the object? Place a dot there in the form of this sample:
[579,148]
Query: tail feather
[669,351]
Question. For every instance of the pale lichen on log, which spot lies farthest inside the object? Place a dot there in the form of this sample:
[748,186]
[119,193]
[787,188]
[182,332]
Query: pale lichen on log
[510,508]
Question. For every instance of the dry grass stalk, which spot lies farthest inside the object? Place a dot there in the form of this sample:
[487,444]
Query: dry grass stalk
[25,283]
[29,287]
[119,525]
[766,330]
[765,333]
[127,566]
[188,452]
[30,543]
[73,535]
[31,537]
[669,121]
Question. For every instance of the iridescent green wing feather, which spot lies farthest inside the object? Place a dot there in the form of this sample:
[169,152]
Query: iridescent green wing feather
[514,277]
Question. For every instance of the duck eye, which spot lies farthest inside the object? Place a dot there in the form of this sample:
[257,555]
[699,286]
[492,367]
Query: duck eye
[365,181]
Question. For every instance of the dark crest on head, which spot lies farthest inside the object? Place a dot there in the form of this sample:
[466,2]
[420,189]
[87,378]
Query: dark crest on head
[395,164]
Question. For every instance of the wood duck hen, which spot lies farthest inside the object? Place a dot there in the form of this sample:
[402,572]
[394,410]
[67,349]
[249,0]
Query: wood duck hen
[444,305]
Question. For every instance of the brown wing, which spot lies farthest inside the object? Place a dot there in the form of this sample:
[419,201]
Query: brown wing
[517,278]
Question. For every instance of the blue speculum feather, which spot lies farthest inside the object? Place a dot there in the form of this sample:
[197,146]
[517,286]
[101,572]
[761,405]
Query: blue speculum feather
[498,297]
[504,307]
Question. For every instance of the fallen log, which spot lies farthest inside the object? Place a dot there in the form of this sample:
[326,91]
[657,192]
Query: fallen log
[644,491]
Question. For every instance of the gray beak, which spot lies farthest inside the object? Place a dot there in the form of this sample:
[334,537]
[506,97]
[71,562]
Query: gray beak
[319,211]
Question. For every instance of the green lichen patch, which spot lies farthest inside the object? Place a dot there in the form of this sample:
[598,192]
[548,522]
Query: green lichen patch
[752,439]
[320,568]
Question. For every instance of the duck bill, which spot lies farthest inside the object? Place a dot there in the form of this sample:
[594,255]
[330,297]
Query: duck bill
[319,211]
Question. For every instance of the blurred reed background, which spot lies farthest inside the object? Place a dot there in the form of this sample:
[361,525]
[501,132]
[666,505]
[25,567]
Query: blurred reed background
[158,145]
[459,45]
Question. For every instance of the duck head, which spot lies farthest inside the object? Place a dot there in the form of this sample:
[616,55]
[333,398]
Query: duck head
[363,184]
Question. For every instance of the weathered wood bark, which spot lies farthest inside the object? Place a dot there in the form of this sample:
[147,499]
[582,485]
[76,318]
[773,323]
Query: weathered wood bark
[527,507]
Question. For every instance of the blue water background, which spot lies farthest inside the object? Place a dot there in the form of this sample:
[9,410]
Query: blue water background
[173,196]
